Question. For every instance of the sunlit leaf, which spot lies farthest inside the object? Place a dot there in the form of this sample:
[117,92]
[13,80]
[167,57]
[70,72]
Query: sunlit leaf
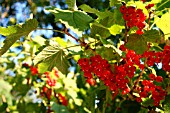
[16,32]
[61,42]
[75,20]
[100,14]
[116,29]
[163,24]
[51,57]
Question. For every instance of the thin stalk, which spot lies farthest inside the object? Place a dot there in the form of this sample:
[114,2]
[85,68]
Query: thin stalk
[149,19]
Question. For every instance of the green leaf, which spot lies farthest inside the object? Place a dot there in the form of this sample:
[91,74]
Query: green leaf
[137,43]
[71,4]
[75,20]
[163,24]
[61,42]
[147,102]
[113,2]
[23,107]
[167,108]
[163,4]
[116,29]
[42,68]
[101,27]
[14,33]
[9,30]
[51,57]
[117,16]
[88,9]
[108,53]
[152,36]
[59,108]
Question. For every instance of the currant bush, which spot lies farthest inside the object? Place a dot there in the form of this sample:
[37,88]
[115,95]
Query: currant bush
[118,76]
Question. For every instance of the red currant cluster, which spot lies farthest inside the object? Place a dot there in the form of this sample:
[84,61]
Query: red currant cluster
[159,57]
[50,81]
[103,70]
[148,87]
[118,79]
[133,17]
[96,65]
[47,92]
[166,59]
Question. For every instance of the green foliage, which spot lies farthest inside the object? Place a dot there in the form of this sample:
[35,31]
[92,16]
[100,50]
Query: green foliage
[46,75]
[163,4]
[108,53]
[71,4]
[50,57]
[77,21]
[59,108]
[16,32]
[30,107]
[163,24]
[88,9]
[152,36]
[116,29]
[113,2]
[137,43]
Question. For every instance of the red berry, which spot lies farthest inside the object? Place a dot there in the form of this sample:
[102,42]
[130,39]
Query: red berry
[91,81]
[139,32]
[138,99]
[34,70]
[63,99]
[152,76]
[159,79]
[123,9]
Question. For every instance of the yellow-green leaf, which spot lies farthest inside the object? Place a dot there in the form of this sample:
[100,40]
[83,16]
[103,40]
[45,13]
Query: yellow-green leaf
[163,24]
[14,33]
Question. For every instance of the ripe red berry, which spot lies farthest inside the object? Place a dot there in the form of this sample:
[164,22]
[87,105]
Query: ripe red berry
[139,32]
[152,76]
[159,79]
[34,70]
[123,9]
[138,99]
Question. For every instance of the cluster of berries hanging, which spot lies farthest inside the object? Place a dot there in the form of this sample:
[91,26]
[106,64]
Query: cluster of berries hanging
[133,17]
[47,91]
[148,87]
[119,76]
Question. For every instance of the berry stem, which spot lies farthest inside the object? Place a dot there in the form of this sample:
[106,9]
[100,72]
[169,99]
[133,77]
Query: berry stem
[139,77]
[126,33]
[149,19]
